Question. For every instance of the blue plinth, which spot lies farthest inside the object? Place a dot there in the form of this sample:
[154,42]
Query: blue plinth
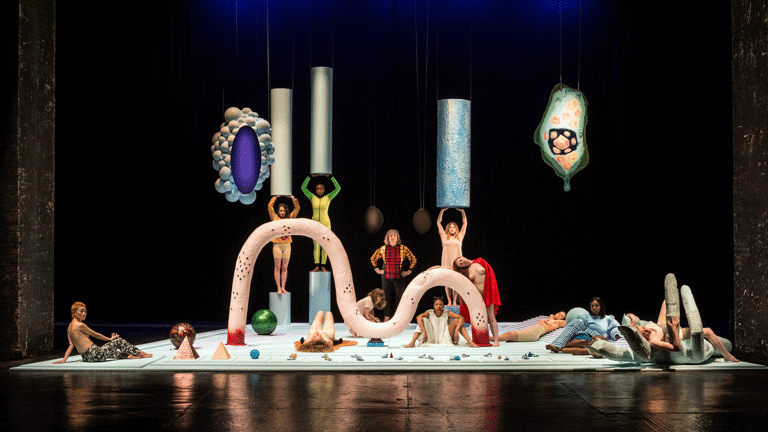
[280,305]
[319,293]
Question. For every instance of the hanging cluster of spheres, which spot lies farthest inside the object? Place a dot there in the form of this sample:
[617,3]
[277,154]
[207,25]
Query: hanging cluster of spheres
[242,153]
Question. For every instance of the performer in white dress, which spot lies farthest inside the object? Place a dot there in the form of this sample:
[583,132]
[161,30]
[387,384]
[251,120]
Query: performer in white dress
[435,328]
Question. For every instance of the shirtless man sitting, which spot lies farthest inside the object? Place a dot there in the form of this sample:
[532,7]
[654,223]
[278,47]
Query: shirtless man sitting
[79,335]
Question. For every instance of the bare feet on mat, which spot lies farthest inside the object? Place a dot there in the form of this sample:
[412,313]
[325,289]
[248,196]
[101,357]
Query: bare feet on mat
[576,351]
[141,355]
[552,348]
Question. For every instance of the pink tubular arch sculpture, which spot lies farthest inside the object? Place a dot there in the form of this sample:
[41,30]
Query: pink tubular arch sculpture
[345,290]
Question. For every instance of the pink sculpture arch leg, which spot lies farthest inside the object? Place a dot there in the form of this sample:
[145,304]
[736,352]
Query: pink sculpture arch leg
[345,290]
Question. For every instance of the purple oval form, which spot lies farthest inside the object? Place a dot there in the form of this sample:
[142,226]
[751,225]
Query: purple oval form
[245,159]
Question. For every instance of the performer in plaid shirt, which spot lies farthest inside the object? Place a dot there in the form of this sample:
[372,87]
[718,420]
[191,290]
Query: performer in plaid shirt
[393,255]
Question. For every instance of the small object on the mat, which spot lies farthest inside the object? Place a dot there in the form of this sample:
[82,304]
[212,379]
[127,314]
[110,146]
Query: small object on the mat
[454,358]
[390,355]
[422,356]
[489,354]
[254,354]
[530,354]
[221,353]
[375,342]
[179,332]
[186,351]
[499,357]
[400,358]
[464,355]
[326,357]
[264,322]
[506,358]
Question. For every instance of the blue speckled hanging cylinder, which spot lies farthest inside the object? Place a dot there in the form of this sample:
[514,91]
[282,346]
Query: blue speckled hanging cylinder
[320,150]
[454,134]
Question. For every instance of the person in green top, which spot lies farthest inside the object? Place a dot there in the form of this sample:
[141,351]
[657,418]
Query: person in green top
[320,202]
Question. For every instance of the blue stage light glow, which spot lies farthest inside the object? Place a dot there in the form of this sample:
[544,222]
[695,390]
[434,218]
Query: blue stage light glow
[555,5]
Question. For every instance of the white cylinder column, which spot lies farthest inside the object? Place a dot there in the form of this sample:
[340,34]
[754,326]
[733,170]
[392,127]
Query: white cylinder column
[321,137]
[281,173]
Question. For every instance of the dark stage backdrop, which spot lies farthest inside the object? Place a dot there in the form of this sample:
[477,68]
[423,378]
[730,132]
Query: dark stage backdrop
[141,234]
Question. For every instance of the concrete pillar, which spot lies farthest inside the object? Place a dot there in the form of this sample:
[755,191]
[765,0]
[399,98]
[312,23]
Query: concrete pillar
[749,22]
[26,192]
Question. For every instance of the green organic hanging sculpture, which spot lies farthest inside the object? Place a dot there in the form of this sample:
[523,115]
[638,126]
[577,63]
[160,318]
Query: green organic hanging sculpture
[561,133]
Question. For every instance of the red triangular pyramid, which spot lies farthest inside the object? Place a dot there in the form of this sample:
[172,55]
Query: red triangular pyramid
[186,351]
[221,353]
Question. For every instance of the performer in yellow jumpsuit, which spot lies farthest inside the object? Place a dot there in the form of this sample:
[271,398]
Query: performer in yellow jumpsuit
[320,203]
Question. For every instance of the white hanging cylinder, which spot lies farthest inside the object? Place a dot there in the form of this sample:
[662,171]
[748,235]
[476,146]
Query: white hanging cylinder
[322,121]
[454,134]
[281,173]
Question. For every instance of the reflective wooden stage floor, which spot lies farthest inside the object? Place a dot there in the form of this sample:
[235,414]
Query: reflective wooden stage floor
[414,401]
[202,401]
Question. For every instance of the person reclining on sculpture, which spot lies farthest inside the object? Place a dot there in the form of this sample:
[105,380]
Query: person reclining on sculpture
[481,274]
[533,332]
[435,328]
[79,335]
[664,341]
[581,331]
[656,334]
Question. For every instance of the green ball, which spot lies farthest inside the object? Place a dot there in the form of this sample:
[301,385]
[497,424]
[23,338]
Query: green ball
[264,322]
